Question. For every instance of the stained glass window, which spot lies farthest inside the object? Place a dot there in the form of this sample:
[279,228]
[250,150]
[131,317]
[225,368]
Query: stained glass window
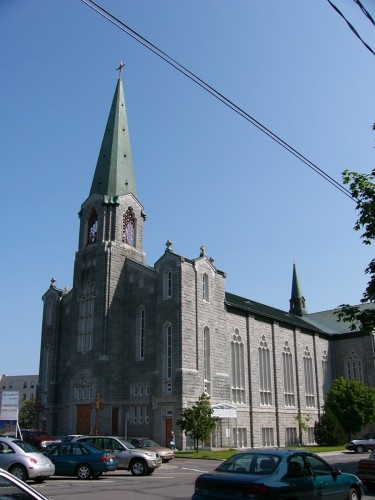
[128,229]
[92,227]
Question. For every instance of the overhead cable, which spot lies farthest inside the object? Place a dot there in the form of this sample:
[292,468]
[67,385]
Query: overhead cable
[139,38]
[366,12]
[351,27]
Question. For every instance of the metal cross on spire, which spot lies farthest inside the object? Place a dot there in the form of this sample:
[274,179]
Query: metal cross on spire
[119,69]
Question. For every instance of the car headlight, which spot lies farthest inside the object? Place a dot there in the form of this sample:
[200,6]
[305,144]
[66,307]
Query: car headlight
[151,454]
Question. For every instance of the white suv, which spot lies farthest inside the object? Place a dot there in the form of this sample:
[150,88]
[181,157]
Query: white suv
[138,461]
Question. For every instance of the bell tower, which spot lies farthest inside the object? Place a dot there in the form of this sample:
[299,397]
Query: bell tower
[111,231]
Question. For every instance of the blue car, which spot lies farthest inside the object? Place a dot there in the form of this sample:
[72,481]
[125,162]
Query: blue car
[80,459]
[278,475]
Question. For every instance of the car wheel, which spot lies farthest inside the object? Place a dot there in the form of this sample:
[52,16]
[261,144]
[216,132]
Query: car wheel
[353,494]
[84,472]
[19,472]
[360,449]
[138,468]
[39,479]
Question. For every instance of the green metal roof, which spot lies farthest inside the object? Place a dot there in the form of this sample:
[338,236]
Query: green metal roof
[269,312]
[328,321]
[114,174]
[321,322]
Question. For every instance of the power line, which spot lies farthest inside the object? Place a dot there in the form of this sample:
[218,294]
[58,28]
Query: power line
[208,88]
[366,13]
[351,26]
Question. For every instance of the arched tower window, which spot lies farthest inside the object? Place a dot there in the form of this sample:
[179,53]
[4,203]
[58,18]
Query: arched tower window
[287,356]
[264,357]
[128,228]
[353,365]
[92,227]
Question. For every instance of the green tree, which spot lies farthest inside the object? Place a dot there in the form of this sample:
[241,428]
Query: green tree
[352,402]
[26,415]
[328,431]
[197,421]
[303,425]
[362,188]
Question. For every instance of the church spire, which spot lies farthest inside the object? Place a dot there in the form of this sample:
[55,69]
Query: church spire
[297,300]
[114,174]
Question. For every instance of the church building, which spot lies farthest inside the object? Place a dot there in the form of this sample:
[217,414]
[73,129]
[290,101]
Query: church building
[131,345]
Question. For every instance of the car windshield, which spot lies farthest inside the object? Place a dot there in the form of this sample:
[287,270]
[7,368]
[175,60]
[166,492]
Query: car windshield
[148,442]
[26,447]
[250,463]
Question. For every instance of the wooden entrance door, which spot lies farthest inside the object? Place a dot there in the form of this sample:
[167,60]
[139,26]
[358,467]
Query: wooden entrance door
[168,430]
[83,419]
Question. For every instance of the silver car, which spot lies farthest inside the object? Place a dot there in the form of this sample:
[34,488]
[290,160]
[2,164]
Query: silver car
[24,461]
[166,454]
[140,462]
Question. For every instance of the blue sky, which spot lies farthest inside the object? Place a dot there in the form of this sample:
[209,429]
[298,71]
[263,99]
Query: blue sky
[204,174]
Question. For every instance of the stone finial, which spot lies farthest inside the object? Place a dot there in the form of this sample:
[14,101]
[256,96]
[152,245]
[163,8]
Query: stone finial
[169,246]
[203,251]
[53,282]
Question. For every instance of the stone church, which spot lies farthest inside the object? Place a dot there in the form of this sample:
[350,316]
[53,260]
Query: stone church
[131,344]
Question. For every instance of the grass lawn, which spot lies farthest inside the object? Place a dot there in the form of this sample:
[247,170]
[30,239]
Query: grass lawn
[223,454]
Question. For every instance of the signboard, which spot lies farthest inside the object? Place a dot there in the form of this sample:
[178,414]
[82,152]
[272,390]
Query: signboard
[224,411]
[9,405]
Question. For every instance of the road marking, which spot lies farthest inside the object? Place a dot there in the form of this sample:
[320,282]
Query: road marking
[195,470]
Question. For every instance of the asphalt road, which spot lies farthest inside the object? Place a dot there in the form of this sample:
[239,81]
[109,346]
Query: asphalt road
[174,480]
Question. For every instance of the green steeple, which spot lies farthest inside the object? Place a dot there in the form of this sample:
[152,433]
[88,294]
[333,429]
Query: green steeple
[297,300]
[114,173]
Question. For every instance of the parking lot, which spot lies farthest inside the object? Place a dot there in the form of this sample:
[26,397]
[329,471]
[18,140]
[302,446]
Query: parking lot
[174,480]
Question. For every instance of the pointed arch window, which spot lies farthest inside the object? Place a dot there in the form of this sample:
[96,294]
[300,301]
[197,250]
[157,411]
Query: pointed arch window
[92,227]
[140,333]
[167,284]
[287,357]
[128,228]
[264,357]
[353,365]
[326,372]
[86,319]
[309,378]
[206,360]
[205,287]
[237,368]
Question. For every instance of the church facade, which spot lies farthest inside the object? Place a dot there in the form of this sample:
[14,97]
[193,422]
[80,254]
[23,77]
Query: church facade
[130,345]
